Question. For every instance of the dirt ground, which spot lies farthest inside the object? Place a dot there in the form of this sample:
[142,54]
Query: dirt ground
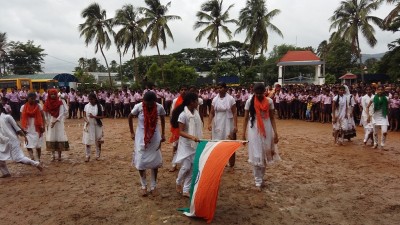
[315,183]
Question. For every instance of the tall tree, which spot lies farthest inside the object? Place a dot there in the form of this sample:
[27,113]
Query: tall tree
[393,15]
[256,20]
[214,19]
[156,20]
[25,58]
[3,50]
[97,27]
[131,34]
[353,16]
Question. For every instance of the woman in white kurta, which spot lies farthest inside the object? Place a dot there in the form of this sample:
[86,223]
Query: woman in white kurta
[187,118]
[32,122]
[223,118]
[262,136]
[55,112]
[93,128]
[10,148]
[339,116]
[148,138]
[350,104]
[379,118]
[368,127]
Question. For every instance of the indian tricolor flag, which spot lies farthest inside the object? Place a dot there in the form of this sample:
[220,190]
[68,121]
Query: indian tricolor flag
[208,166]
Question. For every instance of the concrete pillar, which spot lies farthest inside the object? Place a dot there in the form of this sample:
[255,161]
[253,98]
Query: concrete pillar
[280,76]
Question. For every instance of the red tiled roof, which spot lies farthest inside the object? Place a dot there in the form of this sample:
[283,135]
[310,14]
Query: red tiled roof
[348,76]
[295,56]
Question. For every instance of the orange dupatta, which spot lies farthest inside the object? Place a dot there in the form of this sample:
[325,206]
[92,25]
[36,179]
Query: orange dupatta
[32,111]
[175,131]
[262,112]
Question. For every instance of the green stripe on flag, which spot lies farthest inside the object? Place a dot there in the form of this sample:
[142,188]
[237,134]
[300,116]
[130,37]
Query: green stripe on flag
[199,151]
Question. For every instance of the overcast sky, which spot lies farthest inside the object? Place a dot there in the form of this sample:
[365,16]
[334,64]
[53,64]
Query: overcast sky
[53,24]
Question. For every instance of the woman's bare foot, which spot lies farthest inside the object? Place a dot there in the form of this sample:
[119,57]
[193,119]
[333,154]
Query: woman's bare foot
[87,158]
[186,194]
[154,192]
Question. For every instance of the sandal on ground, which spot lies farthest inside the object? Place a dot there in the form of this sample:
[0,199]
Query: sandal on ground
[5,175]
[179,188]
[144,191]
[40,167]
[154,192]
[172,169]
[186,194]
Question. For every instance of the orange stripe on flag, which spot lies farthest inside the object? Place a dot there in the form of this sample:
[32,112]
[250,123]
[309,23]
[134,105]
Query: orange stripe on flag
[207,187]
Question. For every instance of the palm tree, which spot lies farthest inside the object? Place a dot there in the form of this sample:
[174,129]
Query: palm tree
[256,20]
[213,18]
[156,20]
[97,27]
[393,15]
[3,50]
[131,33]
[353,16]
[323,49]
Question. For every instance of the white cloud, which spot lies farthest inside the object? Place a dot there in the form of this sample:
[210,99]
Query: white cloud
[53,24]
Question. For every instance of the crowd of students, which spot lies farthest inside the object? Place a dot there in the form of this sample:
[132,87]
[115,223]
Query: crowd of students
[343,106]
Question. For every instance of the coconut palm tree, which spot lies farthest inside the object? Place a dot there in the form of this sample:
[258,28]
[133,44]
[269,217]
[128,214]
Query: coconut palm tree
[393,16]
[3,50]
[256,20]
[352,17]
[97,28]
[156,20]
[323,49]
[131,34]
[213,19]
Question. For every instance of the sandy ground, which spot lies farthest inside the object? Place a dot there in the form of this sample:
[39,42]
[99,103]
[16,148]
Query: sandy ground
[316,183]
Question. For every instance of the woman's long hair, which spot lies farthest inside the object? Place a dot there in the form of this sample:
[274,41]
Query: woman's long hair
[189,98]
[258,87]
[99,108]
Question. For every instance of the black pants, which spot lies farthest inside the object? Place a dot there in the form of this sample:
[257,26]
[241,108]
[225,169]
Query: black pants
[72,110]
[15,107]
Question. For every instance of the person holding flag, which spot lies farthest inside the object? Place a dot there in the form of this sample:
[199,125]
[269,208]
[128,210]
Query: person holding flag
[187,119]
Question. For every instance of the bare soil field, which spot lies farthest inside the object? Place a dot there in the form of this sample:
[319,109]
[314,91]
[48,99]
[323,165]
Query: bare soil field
[315,183]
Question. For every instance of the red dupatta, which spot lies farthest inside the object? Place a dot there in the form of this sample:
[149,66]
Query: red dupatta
[175,131]
[150,122]
[262,112]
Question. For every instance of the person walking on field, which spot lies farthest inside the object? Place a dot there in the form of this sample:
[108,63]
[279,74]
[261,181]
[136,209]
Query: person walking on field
[10,148]
[259,124]
[93,128]
[187,118]
[55,112]
[379,117]
[32,122]
[174,130]
[223,118]
[368,127]
[148,138]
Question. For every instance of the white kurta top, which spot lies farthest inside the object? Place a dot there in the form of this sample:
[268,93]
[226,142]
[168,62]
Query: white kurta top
[186,148]
[92,132]
[222,124]
[57,133]
[377,116]
[340,113]
[364,115]
[9,143]
[261,148]
[149,157]
[34,141]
